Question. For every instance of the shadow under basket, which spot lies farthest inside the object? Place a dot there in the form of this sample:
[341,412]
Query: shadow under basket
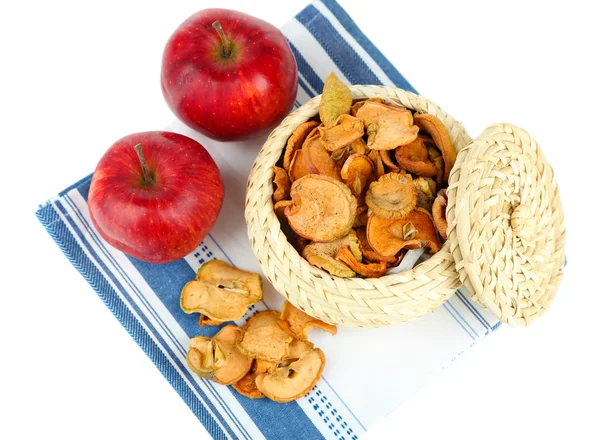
[505,231]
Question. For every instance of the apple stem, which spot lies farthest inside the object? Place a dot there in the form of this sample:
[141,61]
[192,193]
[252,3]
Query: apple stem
[148,178]
[225,43]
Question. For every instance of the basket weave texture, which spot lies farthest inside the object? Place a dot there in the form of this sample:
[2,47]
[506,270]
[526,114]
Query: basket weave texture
[506,224]
[353,302]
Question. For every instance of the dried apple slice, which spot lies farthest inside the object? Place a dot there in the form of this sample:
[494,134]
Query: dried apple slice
[375,156]
[298,166]
[246,386]
[367,251]
[416,230]
[318,160]
[436,157]
[282,184]
[357,173]
[298,347]
[425,192]
[357,105]
[387,128]
[264,339]
[279,208]
[335,101]
[298,324]
[393,196]
[221,292]
[218,359]
[439,213]
[346,130]
[290,382]
[323,209]
[369,270]
[323,255]
[362,216]
[296,140]
[440,136]
[415,158]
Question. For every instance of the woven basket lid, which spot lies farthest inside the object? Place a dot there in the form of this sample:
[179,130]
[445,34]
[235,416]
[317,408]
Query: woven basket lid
[505,224]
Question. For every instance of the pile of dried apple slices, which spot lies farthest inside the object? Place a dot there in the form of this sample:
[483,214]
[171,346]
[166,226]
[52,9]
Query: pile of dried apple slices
[270,356]
[358,187]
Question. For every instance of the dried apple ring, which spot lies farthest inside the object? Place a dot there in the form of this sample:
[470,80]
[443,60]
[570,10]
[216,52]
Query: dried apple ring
[317,159]
[393,196]
[387,127]
[369,270]
[441,138]
[335,101]
[282,184]
[262,338]
[346,130]
[324,208]
[415,158]
[439,213]
[416,230]
[296,140]
[290,382]
[221,292]
[298,166]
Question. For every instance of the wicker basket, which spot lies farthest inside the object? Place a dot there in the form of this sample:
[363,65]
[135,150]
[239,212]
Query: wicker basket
[351,301]
[397,298]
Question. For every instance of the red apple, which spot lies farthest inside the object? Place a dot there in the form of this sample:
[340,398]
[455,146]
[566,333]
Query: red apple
[229,75]
[155,195]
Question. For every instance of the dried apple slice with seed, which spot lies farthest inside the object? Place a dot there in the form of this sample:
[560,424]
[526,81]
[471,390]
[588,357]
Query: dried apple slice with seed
[323,209]
[262,338]
[221,292]
[298,324]
[346,130]
[290,382]
[387,127]
[393,196]
[416,230]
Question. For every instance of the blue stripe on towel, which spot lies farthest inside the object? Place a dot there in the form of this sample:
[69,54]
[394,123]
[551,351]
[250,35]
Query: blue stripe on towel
[59,232]
[392,73]
[307,72]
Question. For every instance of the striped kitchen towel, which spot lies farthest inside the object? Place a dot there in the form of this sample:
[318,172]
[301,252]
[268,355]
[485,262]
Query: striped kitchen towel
[145,297]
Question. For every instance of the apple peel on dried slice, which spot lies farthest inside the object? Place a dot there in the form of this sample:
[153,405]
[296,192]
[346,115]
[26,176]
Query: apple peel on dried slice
[281,183]
[336,100]
[290,382]
[387,236]
[221,292]
[432,125]
[438,212]
[387,127]
[298,324]
[415,158]
[262,338]
[393,196]
[296,141]
[346,130]
[368,270]
[324,208]
[246,386]
[218,359]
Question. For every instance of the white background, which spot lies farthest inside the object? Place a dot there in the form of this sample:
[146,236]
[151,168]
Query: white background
[76,76]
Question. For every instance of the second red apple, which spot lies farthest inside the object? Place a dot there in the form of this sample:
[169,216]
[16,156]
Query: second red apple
[229,75]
